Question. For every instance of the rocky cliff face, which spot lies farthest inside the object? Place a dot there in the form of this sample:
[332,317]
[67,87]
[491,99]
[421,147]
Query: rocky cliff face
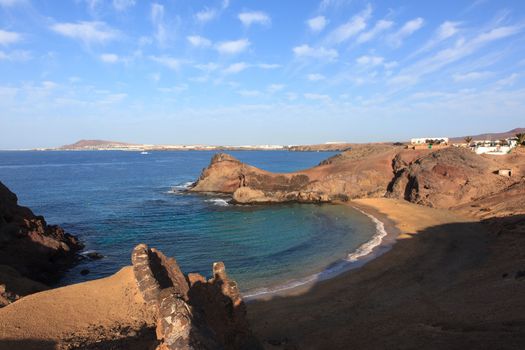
[444,178]
[30,249]
[192,312]
[362,171]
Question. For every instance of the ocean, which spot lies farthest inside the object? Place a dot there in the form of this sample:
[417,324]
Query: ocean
[113,200]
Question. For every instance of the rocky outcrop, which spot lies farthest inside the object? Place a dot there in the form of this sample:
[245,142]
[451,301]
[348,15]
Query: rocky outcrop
[437,178]
[192,312]
[362,171]
[446,178]
[29,246]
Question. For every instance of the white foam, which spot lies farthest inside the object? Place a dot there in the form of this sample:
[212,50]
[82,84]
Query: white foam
[218,201]
[180,187]
[368,247]
[350,262]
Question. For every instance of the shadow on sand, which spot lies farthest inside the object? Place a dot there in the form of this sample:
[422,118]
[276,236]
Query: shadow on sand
[453,286]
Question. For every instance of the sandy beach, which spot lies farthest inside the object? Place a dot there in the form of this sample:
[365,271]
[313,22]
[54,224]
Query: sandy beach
[447,283]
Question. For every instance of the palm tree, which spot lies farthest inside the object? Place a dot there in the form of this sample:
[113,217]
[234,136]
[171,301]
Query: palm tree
[468,140]
[521,138]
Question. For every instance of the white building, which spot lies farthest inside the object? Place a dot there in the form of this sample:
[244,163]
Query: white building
[494,147]
[424,140]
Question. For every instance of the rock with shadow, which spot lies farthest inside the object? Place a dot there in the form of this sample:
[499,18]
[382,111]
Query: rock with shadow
[192,312]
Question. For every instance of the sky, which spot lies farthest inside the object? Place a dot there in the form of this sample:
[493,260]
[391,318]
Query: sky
[232,72]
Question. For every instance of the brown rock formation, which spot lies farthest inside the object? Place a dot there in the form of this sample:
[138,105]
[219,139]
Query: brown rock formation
[363,171]
[31,247]
[438,178]
[192,313]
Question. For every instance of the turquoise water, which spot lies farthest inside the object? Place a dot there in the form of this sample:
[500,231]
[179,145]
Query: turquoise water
[115,200]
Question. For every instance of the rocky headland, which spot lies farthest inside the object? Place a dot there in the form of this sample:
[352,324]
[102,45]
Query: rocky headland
[443,179]
[32,253]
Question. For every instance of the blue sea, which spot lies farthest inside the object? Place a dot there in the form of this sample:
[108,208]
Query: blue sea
[113,200]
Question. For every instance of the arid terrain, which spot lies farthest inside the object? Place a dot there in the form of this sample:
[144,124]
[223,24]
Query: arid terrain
[454,279]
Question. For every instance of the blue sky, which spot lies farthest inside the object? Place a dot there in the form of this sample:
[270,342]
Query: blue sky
[258,72]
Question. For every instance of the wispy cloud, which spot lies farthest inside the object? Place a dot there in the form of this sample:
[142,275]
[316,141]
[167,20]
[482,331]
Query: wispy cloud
[269,65]
[7,38]
[306,51]
[249,93]
[235,68]
[167,61]
[198,41]
[206,15]
[254,17]
[87,32]
[109,58]
[15,56]
[317,97]
[123,5]
[370,60]
[508,81]
[157,18]
[409,28]
[11,3]
[462,48]
[351,28]
[445,31]
[315,77]
[379,27]
[471,76]
[317,24]
[233,47]
[273,88]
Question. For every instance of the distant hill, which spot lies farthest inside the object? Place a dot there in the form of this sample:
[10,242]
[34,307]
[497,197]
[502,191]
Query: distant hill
[490,136]
[95,144]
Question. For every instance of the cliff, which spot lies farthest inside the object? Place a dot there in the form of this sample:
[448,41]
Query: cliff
[32,253]
[443,178]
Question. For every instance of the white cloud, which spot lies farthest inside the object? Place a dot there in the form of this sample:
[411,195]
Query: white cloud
[269,65]
[318,53]
[249,18]
[15,56]
[205,15]
[109,58]
[7,38]
[174,89]
[167,61]
[462,48]
[10,3]
[123,5]
[235,68]
[208,67]
[233,47]
[317,24]
[350,28]
[508,81]
[315,77]
[249,93]
[49,85]
[157,17]
[379,27]
[317,97]
[272,88]
[370,60]
[291,96]
[198,41]
[87,32]
[470,76]
[447,29]
[409,28]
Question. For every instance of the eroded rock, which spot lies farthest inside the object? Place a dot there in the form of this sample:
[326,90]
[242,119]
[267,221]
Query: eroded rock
[192,313]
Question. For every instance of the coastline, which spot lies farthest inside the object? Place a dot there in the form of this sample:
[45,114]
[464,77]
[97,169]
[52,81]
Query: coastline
[381,242]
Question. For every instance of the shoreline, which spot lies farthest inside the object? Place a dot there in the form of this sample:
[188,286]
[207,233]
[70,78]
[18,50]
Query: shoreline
[378,244]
